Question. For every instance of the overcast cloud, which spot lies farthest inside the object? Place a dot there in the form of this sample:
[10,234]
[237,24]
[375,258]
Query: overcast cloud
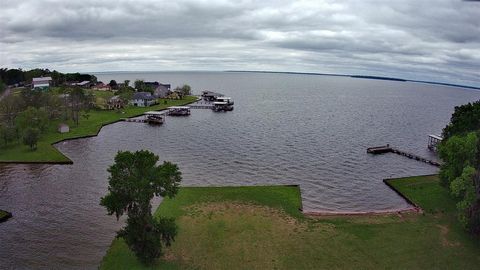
[415,39]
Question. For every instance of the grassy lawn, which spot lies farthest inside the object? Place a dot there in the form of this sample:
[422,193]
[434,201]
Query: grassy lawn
[18,152]
[261,228]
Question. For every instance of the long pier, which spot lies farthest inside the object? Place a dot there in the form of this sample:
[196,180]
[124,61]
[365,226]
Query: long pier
[388,149]
[200,106]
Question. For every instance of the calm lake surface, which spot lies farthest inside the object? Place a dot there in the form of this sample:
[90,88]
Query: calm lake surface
[286,129]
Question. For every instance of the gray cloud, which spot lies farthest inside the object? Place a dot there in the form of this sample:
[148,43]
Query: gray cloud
[432,40]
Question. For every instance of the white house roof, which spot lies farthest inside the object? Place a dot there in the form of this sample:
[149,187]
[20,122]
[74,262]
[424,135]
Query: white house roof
[41,79]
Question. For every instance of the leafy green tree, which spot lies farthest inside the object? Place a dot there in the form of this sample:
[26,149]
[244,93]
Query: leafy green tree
[466,118]
[457,152]
[10,107]
[135,178]
[463,188]
[113,84]
[7,133]
[126,83]
[30,137]
[32,118]
[186,90]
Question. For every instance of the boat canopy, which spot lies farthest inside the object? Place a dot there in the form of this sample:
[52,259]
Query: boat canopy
[220,103]
[435,137]
[155,113]
[179,107]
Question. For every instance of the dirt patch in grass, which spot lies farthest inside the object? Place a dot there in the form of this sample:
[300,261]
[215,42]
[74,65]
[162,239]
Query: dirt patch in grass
[444,229]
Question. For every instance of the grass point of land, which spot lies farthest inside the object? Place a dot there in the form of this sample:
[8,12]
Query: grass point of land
[46,152]
[261,228]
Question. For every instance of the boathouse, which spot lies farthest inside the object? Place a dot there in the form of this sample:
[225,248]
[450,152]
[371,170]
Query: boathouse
[433,141]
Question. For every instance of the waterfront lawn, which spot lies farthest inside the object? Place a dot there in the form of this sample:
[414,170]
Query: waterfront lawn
[260,228]
[18,152]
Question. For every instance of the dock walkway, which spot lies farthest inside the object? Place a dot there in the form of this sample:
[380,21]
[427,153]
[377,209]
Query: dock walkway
[388,149]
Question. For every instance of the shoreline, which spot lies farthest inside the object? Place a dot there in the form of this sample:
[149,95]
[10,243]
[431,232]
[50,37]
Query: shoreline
[67,160]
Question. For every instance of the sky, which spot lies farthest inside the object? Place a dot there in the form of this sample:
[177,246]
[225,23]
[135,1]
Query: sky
[437,40]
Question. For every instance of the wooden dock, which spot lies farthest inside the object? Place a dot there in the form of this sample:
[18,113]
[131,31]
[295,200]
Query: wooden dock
[388,149]
[134,120]
[200,106]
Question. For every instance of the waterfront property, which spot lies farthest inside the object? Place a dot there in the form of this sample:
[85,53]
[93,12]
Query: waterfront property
[101,87]
[41,83]
[143,99]
[160,90]
[115,102]
[263,228]
[179,110]
[47,153]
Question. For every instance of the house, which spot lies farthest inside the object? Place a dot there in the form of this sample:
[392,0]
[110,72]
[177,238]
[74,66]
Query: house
[143,99]
[162,90]
[115,102]
[63,128]
[41,83]
[102,87]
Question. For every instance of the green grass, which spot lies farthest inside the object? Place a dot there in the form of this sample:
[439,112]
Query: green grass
[260,228]
[18,152]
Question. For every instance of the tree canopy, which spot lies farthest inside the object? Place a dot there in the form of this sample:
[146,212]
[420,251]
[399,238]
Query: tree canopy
[460,171]
[135,178]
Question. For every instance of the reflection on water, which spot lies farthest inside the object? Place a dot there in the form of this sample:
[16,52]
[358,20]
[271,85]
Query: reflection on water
[285,129]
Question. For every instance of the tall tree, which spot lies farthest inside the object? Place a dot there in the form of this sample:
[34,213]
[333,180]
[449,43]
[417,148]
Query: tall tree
[134,179]
[30,137]
[10,107]
[32,118]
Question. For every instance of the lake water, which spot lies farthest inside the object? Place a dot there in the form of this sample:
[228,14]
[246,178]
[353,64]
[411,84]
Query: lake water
[286,129]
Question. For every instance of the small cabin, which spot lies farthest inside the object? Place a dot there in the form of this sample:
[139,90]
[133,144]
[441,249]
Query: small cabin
[433,141]
[179,110]
[63,128]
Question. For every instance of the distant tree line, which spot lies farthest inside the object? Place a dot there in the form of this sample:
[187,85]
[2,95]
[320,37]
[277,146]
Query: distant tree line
[460,152]
[19,76]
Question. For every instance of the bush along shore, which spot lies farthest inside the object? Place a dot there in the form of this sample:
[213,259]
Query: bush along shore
[4,215]
[261,227]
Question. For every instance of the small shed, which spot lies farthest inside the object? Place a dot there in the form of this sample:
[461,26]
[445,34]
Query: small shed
[63,128]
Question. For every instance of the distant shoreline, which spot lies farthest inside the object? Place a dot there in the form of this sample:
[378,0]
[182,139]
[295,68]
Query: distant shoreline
[359,77]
